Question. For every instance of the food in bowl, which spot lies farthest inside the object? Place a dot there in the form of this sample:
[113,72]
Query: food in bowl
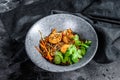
[63,47]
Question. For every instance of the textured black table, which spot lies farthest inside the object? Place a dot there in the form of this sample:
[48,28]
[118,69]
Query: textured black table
[24,69]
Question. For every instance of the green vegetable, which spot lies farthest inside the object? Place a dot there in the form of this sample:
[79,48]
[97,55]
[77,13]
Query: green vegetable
[69,51]
[84,45]
[88,42]
[73,48]
[77,42]
[59,54]
[57,59]
[66,58]
[75,57]
[69,60]
[74,52]
[79,53]
[83,51]
[76,37]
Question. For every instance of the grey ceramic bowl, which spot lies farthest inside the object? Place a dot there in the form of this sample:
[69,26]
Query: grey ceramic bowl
[60,22]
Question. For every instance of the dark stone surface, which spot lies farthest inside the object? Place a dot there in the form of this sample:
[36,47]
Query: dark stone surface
[7,5]
[14,63]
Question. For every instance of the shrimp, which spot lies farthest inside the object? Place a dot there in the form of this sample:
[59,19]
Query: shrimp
[55,37]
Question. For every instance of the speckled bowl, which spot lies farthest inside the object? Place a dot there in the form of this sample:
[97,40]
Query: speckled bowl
[60,22]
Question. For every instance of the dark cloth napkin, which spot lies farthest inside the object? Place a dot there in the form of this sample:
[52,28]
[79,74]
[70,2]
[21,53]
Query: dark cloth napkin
[19,20]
